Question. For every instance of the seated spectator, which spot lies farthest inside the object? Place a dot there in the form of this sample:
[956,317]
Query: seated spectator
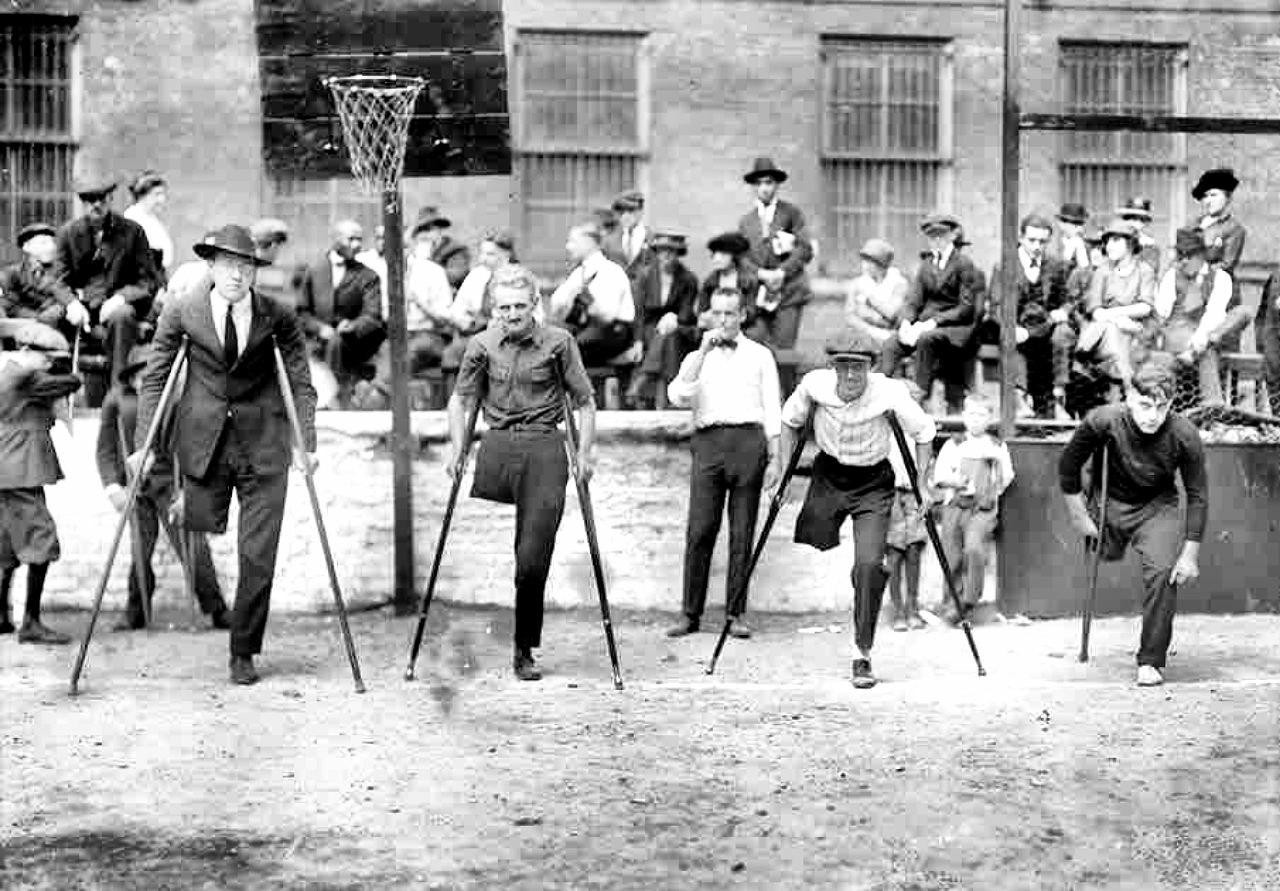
[1120,296]
[730,271]
[594,302]
[150,193]
[1068,245]
[1137,211]
[340,309]
[372,257]
[1081,277]
[779,267]
[454,256]
[776,320]
[428,305]
[940,315]
[675,333]
[28,288]
[1224,237]
[875,298]
[1190,304]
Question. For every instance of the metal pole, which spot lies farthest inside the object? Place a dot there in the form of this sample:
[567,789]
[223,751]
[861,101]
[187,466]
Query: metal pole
[401,439]
[1010,135]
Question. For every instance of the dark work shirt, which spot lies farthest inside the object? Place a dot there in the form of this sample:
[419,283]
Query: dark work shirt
[519,380]
[28,290]
[1141,467]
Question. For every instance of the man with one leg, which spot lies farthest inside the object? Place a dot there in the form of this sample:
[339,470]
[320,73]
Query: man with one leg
[731,382]
[519,368]
[1147,448]
[29,390]
[852,476]
[231,431]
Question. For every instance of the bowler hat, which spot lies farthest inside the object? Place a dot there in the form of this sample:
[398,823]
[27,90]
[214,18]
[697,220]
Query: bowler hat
[734,244]
[230,239]
[1136,208]
[877,250]
[762,167]
[669,241]
[430,218]
[87,185]
[1223,178]
[1073,213]
[39,336]
[139,356]
[629,200]
[851,342]
[26,233]
[1188,242]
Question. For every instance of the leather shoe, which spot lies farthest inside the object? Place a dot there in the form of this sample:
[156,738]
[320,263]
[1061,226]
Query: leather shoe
[38,632]
[222,619]
[525,667]
[128,625]
[6,626]
[687,627]
[739,629]
[242,670]
[863,679]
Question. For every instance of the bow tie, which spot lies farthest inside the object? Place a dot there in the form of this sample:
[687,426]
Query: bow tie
[730,344]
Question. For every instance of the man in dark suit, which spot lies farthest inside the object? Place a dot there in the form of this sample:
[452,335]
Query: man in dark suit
[105,259]
[1267,331]
[340,308]
[781,272]
[629,245]
[940,314]
[230,428]
[672,325]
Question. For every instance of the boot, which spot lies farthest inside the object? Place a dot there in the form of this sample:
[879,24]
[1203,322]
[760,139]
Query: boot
[242,670]
[526,668]
[35,631]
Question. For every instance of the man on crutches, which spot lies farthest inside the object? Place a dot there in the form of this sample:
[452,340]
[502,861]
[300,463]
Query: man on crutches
[851,475]
[1146,448]
[515,369]
[232,427]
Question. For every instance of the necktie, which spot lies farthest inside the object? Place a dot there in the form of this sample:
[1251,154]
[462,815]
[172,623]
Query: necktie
[230,341]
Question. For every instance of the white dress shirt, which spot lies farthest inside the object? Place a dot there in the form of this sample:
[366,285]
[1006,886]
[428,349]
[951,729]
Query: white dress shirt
[765,212]
[633,241]
[241,317]
[856,433]
[609,286]
[157,235]
[954,456]
[337,267]
[426,292]
[378,264]
[734,386]
[468,303]
[1029,268]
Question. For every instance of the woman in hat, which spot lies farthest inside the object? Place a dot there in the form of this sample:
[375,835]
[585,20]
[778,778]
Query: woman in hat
[150,192]
[1121,295]
[875,298]
[730,270]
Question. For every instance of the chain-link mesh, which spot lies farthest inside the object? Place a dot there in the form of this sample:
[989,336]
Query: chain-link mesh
[375,112]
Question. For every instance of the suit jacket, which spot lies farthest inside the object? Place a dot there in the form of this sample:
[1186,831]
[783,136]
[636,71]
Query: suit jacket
[954,296]
[27,396]
[245,397]
[1268,315]
[1035,299]
[642,272]
[358,298]
[682,299]
[788,217]
[122,264]
[29,291]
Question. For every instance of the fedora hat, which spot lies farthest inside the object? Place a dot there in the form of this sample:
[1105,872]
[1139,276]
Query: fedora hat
[1223,178]
[430,218]
[26,233]
[230,239]
[762,167]
[629,200]
[139,356]
[735,244]
[1073,213]
[670,241]
[1188,242]
[1136,208]
[877,250]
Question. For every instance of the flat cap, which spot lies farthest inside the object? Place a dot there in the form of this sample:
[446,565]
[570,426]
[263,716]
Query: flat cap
[26,233]
[851,342]
[877,250]
[939,223]
[629,200]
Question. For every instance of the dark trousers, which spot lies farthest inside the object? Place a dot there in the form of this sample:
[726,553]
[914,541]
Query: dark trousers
[1269,343]
[837,491]
[937,357]
[1155,531]
[966,532]
[527,468]
[779,328]
[261,497]
[600,342]
[727,461]
[1048,364]
[148,513]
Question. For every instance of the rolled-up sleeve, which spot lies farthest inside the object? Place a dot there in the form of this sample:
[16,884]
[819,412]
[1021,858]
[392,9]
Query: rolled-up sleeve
[795,411]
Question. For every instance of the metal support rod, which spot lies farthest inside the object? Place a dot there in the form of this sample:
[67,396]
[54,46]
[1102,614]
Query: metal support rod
[1011,157]
[401,436]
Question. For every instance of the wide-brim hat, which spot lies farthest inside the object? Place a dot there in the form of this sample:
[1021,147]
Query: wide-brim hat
[430,218]
[735,244]
[37,336]
[139,356]
[1188,242]
[1223,178]
[87,185]
[940,223]
[877,250]
[627,201]
[851,343]
[1121,227]
[669,241]
[1073,213]
[762,167]
[1136,208]
[230,239]
[26,233]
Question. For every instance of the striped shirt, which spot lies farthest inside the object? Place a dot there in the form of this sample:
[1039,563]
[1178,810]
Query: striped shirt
[856,433]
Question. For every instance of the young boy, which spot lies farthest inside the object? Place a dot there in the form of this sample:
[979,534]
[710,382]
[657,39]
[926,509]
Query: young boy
[972,471]
[905,546]
[29,389]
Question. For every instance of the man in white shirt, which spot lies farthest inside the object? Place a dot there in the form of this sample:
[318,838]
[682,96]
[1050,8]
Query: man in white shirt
[594,303]
[1191,303]
[731,383]
[372,257]
[852,476]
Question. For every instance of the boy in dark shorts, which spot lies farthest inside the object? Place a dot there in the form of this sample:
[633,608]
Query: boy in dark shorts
[905,543]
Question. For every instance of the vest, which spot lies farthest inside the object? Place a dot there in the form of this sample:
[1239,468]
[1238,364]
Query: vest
[1189,302]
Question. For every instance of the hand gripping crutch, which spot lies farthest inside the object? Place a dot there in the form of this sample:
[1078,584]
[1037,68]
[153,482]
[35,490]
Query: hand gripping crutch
[931,527]
[131,497]
[291,408]
[135,540]
[472,414]
[589,521]
[1086,619]
[775,505]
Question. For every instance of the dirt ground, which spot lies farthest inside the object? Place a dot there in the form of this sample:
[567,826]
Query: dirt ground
[775,773]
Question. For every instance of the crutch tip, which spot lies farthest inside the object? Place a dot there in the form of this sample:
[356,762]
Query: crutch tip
[982,672]
[360,688]
[409,675]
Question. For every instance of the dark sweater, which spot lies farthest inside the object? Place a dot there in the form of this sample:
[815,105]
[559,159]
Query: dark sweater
[1141,466]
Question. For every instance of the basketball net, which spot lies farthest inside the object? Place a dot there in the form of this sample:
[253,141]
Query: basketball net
[375,111]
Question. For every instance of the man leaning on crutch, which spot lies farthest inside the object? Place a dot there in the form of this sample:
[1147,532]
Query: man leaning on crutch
[232,430]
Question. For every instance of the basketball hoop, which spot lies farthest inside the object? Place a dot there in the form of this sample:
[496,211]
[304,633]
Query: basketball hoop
[375,111]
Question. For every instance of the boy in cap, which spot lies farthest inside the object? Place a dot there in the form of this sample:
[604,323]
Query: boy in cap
[1147,448]
[28,288]
[29,390]
[1191,304]
[851,475]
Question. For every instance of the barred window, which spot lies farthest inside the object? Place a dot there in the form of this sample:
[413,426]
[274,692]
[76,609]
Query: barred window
[37,141]
[1104,169]
[581,133]
[886,140]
